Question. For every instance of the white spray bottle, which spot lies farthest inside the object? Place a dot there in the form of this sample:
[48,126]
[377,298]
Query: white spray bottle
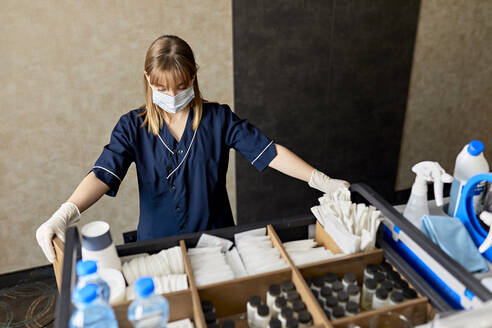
[417,203]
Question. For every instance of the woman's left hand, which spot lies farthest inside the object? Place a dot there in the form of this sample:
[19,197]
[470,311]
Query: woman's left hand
[324,183]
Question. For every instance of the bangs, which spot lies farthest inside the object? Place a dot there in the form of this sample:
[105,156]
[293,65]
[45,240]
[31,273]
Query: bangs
[171,74]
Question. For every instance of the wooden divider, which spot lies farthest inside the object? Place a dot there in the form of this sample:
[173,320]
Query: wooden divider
[58,261]
[325,239]
[318,314]
[199,318]
[277,243]
[410,309]
[312,305]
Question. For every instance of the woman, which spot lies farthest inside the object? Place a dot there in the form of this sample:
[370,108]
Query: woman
[180,145]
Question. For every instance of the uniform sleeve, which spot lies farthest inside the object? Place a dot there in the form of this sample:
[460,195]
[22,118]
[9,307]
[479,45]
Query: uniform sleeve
[116,157]
[248,140]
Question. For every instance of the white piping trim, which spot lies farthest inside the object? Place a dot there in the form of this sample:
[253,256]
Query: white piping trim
[184,155]
[262,152]
[105,169]
[165,144]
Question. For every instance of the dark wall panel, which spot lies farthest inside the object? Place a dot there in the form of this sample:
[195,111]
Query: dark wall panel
[327,79]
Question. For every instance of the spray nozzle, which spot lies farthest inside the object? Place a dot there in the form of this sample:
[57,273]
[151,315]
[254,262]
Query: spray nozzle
[433,172]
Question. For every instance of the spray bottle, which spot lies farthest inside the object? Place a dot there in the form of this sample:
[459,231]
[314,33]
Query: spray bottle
[417,203]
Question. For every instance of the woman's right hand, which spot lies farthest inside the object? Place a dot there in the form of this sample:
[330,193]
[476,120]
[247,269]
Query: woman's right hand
[67,214]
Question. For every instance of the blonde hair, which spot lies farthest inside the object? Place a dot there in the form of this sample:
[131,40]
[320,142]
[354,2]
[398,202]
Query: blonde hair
[169,61]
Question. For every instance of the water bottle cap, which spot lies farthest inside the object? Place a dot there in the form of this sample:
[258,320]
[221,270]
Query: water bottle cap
[86,267]
[475,147]
[144,286]
[86,294]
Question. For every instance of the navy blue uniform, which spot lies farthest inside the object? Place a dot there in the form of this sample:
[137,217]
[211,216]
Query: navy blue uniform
[182,185]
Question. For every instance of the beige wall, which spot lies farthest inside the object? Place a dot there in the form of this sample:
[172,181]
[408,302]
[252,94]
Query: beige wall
[450,99]
[69,69]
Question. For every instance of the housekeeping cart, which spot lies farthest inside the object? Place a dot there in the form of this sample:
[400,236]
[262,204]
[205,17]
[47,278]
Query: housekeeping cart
[441,283]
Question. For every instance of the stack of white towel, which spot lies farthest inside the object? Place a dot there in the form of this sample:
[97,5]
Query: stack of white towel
[167,261]
[306,251]
[352,226]
[213,260]
[257,252]
[166,269]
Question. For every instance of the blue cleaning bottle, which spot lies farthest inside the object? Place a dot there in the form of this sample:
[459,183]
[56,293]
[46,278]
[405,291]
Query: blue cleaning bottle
[149,309]
[87,272]
[91,311]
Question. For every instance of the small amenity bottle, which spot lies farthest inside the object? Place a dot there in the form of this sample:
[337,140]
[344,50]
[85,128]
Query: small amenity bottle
[380,299]
[253,303]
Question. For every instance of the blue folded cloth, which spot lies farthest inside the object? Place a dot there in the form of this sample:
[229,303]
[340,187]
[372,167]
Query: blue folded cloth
[450,234]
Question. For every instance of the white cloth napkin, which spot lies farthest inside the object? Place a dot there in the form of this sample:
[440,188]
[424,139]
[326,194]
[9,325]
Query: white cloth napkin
[352,226]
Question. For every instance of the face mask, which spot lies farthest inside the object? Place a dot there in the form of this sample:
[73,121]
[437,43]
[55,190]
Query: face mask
[173,104]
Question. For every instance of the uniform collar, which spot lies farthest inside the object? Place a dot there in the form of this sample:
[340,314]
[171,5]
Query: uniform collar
[170,143]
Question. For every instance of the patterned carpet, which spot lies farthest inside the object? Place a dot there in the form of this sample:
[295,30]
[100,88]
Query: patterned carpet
[28,298]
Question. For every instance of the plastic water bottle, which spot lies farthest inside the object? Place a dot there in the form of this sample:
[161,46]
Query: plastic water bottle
[469,162]
[148,310]
[91,311]
[87,272]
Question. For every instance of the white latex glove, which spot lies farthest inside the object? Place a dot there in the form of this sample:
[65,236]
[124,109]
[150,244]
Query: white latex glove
[67,214]
[324,183]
